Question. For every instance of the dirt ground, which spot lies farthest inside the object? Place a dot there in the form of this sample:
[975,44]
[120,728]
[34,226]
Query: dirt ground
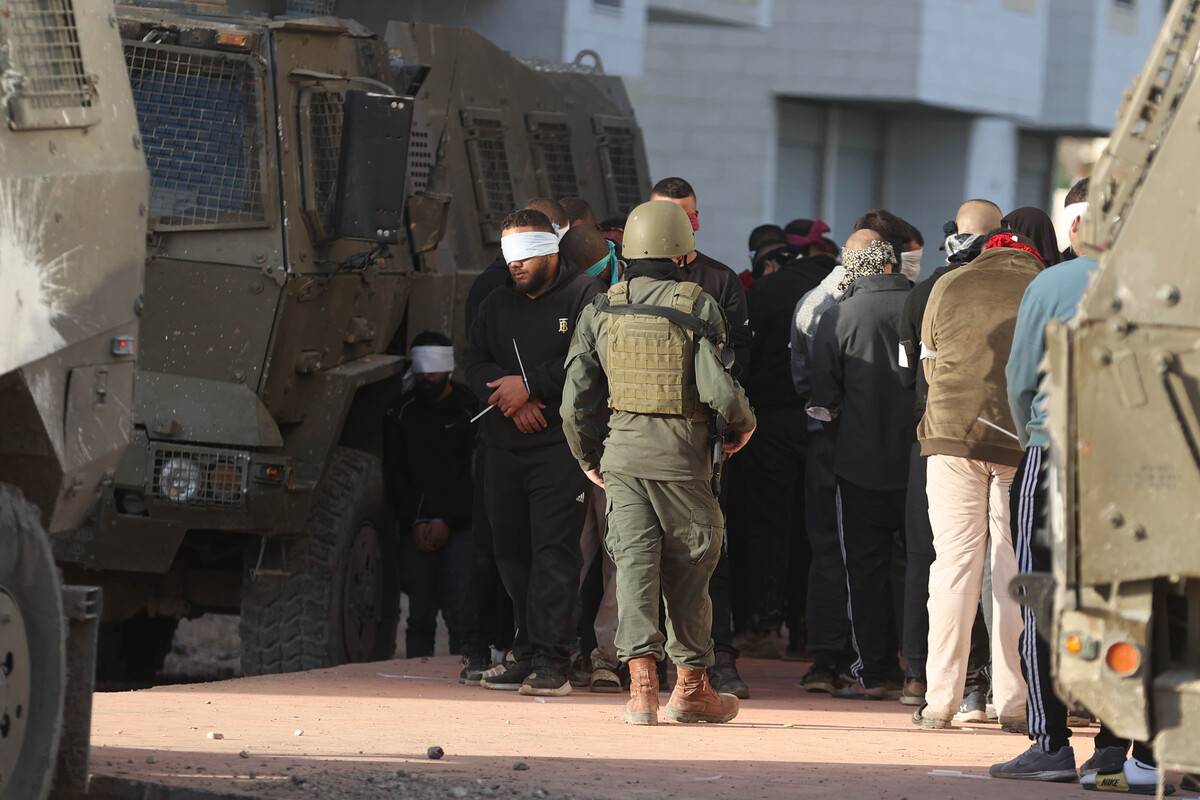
[362,731]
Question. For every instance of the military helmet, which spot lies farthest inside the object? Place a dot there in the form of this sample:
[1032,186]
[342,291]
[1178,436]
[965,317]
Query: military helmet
[658,229]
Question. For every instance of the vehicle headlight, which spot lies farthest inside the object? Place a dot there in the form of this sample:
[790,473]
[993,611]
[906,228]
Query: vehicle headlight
[180,480]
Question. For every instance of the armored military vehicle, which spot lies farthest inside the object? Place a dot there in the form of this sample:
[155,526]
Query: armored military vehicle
[317,199]
[73,195]
[1124,413]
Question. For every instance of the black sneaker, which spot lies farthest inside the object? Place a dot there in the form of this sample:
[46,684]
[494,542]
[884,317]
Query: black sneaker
[1035,764]
[473,668]
[581,671]
[509,680]
[857,691]
[546,683]
[724,677]
[1106,759]
[821,678]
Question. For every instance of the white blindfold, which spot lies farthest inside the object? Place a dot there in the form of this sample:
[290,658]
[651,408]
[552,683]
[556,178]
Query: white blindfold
[528,244]
[427,359]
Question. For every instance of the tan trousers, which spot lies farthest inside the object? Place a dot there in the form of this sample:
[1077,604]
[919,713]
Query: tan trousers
[969,514]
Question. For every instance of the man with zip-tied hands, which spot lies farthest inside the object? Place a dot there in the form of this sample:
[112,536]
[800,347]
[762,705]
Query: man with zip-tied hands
[515,361]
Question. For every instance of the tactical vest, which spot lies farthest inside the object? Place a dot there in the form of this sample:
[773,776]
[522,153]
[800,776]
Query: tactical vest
[651,358]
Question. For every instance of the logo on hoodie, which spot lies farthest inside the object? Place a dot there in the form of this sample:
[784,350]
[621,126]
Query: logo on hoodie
[562,324]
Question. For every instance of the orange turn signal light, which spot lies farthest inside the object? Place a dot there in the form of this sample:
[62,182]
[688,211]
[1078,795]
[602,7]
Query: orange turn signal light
[1123,658]
[231,39]
[1073,644]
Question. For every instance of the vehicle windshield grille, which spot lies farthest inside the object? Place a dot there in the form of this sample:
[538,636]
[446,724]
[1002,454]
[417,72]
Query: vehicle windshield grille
[43,55]
[202,135]
[493,163]
[554,141]
[622,164]
[326,122]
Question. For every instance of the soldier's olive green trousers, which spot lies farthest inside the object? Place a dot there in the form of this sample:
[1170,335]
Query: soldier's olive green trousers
[665,539]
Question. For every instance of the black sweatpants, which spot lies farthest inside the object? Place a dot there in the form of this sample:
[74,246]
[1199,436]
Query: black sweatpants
[872,536]
[487,612]
[767,512]
[828,625]
[1046,713]
[534,502]
[434,582]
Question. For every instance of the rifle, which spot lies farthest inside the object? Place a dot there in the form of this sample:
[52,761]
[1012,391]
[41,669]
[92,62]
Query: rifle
[720,428]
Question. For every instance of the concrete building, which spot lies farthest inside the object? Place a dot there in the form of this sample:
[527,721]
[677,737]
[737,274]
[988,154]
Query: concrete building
[776,109]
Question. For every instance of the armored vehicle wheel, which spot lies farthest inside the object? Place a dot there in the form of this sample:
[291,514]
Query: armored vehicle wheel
[134,649]
[32,655]
[339,597]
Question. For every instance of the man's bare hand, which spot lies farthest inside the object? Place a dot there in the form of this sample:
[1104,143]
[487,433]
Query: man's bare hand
[529,417]
[510,394]
[595,477]
[430,535]
[738,443]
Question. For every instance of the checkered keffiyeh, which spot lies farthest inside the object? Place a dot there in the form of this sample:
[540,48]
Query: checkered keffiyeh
[868,261]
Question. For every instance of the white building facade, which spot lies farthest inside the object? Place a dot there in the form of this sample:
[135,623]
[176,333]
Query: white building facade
[778,109]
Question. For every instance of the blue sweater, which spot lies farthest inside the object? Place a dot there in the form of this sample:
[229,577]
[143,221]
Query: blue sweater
[1053,295]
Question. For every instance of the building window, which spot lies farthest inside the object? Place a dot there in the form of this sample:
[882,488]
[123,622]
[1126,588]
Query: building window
[608,3]
[829,163]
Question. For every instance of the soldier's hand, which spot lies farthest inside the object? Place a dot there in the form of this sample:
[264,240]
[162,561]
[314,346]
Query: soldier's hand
[595,477]
[510,394]
[738,443]
[529,417]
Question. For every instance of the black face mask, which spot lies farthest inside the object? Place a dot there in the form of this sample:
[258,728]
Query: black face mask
[430,391]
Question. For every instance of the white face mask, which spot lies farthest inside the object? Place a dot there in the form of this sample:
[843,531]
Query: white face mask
[910,264]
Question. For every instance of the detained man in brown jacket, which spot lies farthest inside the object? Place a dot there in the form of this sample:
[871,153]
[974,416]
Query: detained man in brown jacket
[966,433]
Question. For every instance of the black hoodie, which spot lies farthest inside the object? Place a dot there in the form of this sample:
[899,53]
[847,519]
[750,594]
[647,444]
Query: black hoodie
[542,328]
[725,287]
[772,302]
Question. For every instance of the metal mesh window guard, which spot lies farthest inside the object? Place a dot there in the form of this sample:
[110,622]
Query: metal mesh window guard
[493,164]
[43,54]
[325,120]
[554,144]
[316,8]
[200,477]
[622,167]
[201,131]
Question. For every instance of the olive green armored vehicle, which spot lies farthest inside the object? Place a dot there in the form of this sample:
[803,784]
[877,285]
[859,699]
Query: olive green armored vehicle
[1124,415]
[318,197]
[73,211]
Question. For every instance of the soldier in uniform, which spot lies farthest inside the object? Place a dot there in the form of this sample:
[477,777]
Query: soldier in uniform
[650,351]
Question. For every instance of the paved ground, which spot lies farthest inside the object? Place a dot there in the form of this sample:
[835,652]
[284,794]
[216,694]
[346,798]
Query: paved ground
[364,731]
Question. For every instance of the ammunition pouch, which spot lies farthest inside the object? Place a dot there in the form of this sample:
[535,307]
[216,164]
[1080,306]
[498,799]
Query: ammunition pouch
[651,352]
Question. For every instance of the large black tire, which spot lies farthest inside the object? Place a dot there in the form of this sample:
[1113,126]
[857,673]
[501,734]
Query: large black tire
[339,600]
[134,650]
[35,658]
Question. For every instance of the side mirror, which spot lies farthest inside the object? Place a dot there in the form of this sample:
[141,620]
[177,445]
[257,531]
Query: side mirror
[373,166]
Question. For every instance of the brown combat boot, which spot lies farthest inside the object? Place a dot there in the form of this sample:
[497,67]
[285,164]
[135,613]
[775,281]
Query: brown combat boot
[642,708]
[694,699]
